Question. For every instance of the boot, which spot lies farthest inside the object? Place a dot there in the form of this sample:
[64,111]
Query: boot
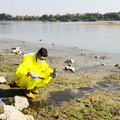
[34,91]
[28,94]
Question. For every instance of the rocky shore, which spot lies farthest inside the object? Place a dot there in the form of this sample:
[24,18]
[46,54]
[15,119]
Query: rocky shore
[90,91]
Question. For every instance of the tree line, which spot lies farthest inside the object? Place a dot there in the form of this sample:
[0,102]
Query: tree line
[64,18]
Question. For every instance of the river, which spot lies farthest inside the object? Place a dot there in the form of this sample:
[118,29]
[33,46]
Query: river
[91,37]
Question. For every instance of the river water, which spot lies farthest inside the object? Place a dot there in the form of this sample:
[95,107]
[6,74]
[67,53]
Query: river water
[91,37]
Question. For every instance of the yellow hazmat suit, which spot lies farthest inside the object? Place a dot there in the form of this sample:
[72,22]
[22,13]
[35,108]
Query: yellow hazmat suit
[29,63]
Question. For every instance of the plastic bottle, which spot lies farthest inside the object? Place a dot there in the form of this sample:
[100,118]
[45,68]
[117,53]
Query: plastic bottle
[1,106]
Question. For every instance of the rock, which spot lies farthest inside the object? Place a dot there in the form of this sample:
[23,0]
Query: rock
[25,45]
[4,57]
[2,80]
[20,102]
[84,54]
[103,57]
[16,50]
[103,64]
[70,68]
[69,61]
[117,65]
[12,113]
[97,56]
[29,117]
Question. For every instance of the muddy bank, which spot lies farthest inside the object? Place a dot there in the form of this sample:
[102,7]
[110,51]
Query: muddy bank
[92,92]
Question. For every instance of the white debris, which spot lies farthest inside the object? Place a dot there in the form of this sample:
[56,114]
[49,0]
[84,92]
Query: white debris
[16,50]
[20,102]
[69,61]
[2,80]
[70,68]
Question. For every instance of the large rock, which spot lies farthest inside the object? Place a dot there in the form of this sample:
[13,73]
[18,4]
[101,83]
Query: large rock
[2,80]
[20,102]
[12,113]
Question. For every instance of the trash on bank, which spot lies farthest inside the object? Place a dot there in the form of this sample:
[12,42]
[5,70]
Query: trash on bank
[68,67]
[16,50]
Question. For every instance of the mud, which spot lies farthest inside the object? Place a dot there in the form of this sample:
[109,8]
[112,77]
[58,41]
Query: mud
[92,92]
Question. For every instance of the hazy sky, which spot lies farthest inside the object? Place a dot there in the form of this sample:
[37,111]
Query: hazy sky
[40,7]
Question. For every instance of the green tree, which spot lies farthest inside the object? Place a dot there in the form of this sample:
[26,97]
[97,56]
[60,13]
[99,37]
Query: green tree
[8,17]
[21,18]
[57,17]
[68,16]
[26,17]
[51,18]
[3,16]
[17,17]
[45,17]
[37,17]
[32,17]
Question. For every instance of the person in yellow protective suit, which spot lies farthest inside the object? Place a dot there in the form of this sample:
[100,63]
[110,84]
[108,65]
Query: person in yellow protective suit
[33,71]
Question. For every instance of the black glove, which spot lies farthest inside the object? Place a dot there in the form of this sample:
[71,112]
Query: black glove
[54,75]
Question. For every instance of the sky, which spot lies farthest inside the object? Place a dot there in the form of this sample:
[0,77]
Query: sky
[62,7]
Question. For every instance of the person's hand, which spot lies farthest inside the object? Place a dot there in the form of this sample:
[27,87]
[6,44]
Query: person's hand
[54,75]
[33,75]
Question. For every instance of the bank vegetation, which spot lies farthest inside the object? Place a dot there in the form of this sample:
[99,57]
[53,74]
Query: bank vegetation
[63,18]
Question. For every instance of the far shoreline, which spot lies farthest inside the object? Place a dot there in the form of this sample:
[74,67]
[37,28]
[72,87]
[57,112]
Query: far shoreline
[90,23]
[77,22]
